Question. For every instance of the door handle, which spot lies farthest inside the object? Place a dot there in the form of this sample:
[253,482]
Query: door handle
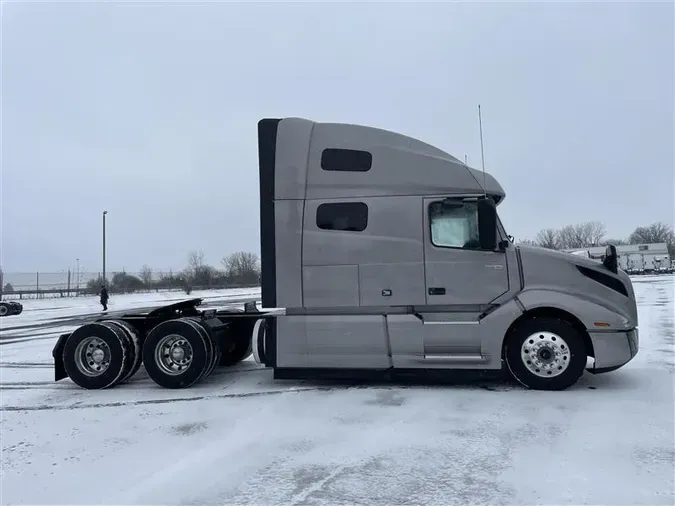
[437,290]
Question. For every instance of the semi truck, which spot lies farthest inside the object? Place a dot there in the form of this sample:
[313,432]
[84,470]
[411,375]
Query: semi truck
[381,256]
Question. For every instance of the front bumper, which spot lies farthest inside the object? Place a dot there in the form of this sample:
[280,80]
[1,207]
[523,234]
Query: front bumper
[613,349]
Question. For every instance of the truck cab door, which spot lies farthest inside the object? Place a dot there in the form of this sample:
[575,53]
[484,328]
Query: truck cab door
[461,281]
[458,274]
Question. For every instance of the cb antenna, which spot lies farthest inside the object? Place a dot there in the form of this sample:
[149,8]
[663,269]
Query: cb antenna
[482,152]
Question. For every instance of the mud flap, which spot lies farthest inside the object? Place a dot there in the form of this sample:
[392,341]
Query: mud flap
[57,353]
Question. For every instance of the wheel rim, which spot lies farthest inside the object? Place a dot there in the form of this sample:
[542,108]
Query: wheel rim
[545,354]
[4,310]
[92,356]
[173,354]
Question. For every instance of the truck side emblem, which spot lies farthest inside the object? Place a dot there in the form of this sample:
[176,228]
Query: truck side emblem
[496,267]
[386,292]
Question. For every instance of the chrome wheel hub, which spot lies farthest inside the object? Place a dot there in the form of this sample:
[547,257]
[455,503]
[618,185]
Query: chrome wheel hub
[92,356]
[173,354]
[545,354]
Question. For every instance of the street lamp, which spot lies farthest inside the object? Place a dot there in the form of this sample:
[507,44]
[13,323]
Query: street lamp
[104,213]
[77,278]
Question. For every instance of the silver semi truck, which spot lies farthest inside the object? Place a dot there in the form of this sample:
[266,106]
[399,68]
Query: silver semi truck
[380,255]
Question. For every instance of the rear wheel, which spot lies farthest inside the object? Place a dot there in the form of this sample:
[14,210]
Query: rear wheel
[210,342]
[176,354]
[96,355]
[4,309]
[545,354]
[135,356]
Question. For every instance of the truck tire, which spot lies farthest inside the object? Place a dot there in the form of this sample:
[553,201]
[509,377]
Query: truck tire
[238,343]
[215,348]
[19,308]
[96,355]
[135,356]
[15,308]
[217,354]
[258,340]
[176,354]
[545,354]
[4,309]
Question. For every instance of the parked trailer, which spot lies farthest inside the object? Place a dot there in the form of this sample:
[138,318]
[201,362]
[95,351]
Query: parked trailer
[380,255]
[10,308]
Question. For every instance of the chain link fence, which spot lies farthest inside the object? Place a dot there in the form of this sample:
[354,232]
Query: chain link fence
[71,283]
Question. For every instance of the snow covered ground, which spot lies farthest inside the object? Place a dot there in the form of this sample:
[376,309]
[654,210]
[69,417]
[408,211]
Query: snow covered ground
[242,438]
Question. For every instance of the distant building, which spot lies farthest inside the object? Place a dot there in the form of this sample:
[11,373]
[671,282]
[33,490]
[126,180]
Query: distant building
[633,258]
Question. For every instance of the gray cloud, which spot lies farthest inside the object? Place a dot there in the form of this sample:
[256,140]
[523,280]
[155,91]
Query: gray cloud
[150,111]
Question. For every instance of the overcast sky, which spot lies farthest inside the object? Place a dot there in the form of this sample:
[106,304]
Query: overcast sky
[150,112]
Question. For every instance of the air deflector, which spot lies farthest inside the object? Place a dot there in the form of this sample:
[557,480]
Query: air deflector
[267,150]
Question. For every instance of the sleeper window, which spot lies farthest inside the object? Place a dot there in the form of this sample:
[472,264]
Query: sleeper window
[454,224]
[348,216]
[346,160]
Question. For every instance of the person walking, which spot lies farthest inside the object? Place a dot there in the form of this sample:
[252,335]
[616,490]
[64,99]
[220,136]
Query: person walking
[104,298]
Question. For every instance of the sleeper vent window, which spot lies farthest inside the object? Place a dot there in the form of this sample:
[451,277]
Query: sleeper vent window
[347,216]
[346,160]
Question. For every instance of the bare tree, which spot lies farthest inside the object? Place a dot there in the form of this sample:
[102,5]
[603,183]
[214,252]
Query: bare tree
[242,267]
[581,235]
[527,242]
[195,260]
[656,232]
[547,238]
[146,275]
[569,237]
[197,272]
[595,231]
[615,242]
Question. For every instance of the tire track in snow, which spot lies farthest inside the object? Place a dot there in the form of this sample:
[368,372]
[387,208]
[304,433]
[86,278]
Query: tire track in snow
[25,365]
[164,401]
[263,393]
[53,385]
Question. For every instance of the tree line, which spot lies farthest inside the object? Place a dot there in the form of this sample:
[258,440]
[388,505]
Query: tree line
[243,268]
[238,269]
[594,233]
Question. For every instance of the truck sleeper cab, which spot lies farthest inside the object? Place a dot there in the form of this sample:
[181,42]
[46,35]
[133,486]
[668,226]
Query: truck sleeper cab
[379,254]
[387,254]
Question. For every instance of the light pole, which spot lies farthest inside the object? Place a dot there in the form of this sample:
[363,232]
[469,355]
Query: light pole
[104,213]
[77,279]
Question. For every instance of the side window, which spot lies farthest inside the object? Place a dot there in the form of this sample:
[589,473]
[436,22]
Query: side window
[346,160]
[454,224]
[350,216]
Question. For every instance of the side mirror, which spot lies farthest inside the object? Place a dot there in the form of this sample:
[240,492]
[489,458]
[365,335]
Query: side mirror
[611,261]
[487,224]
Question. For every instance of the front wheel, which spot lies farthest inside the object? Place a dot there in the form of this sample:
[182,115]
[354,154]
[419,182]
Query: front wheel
[545,354]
